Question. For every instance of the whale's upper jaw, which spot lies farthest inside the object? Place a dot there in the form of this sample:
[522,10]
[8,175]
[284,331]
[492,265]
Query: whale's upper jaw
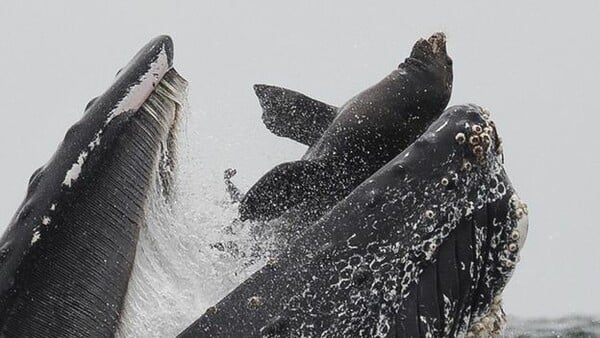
[136,81]
[107,115]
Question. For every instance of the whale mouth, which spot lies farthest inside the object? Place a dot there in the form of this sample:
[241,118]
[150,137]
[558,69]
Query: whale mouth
[149,92]
[147,85]
[169,96]
[85,207]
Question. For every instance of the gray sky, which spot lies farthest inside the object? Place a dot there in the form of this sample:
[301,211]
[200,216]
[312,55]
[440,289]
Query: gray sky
[535,66]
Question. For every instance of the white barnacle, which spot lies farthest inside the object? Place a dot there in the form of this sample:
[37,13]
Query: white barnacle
[486,112]
[460,138]
[429,214]
[477,327]
[515,235]
[513,247]
[211,310]
[522,227]
[445,181]
[525,207]
[485,138]
[520,213]
[467,166]
[271,261]
[254,302]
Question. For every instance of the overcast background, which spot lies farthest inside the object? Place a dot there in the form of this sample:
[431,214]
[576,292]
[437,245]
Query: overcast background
[535,66]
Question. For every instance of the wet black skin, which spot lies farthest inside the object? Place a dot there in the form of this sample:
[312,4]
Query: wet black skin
[73,279]
[345,274]
[348,144]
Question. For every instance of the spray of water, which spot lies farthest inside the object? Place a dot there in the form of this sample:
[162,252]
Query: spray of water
[191,252]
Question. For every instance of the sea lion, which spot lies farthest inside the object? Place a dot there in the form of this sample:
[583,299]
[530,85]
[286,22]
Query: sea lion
[346,144]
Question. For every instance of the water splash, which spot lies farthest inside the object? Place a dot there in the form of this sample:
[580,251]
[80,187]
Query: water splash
[191,252]
[573,326]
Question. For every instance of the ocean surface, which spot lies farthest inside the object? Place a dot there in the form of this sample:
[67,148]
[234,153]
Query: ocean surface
[575,326]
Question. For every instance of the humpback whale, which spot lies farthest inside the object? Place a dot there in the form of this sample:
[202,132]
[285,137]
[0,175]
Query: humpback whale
[67,254]
[423,247]
[349,143]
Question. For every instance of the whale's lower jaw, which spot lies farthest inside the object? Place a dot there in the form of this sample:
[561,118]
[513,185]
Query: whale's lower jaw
[458,290]
[424,246]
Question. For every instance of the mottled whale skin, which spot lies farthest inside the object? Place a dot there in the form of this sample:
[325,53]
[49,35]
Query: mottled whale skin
[424,247]
[66,257]
[350,143]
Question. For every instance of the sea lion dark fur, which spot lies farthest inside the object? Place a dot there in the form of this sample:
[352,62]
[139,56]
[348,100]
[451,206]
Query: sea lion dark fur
[348,144]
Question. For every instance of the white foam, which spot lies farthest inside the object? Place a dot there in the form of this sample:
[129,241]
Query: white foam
[177,275]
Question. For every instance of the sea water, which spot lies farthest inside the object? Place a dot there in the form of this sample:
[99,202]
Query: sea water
[574,326]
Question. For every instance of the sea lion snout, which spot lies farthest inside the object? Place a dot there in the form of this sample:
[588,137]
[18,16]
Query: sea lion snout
[438,42]
[431,53]
[434,45]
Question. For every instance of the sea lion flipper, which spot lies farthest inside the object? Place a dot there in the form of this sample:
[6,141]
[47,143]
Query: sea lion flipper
[290,114]
[282,188]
